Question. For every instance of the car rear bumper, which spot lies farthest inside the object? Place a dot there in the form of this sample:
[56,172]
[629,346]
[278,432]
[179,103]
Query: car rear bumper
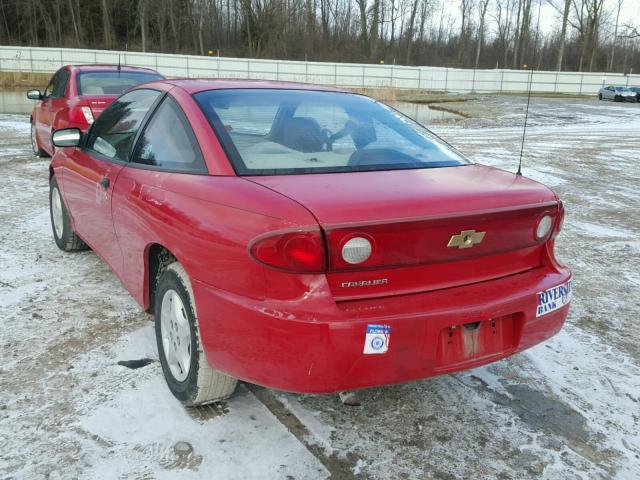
[283,346]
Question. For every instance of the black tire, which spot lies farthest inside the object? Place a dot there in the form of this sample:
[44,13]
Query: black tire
[617,98]
[37,151]
[599,96]
[202,384]
[66,239]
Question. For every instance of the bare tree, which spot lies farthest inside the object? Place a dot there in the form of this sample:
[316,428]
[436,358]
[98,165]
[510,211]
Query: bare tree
[410,29]
[563,33]
[482,13]
[615,36]
[362,6]
[422,32]
[106,23]
[142,18]
[632,32]
[504,19]
[465,12]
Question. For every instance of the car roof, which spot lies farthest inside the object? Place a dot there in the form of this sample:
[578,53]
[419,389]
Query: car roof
[201,84]
[109,67]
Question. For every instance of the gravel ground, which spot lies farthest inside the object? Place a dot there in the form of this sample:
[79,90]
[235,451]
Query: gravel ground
[566,409]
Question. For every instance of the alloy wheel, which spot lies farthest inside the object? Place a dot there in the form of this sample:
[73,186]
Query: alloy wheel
[56,212]
[34,141]
[176,335]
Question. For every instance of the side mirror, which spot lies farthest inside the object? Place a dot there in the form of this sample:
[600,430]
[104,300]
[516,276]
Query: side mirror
[34,95]
[67,137]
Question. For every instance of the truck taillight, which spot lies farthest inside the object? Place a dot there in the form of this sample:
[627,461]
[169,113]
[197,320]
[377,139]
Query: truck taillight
[292,251]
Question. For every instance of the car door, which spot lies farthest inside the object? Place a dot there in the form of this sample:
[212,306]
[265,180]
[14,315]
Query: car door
[610,93]
[145,209]
[43,115]
[54,100]
[91,173]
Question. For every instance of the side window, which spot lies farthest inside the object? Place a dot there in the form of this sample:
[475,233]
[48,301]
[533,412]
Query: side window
[48,92]
[113,132]
[60,84]
[168,142]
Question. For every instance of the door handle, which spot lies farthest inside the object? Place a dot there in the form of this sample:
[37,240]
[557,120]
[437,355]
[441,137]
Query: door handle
[104,182]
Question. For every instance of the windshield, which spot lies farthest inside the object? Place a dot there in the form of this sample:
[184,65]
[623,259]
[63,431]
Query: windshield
[112,82]
[272,131]
[622,89]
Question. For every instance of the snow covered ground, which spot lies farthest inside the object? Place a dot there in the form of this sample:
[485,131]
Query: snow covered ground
[567,409]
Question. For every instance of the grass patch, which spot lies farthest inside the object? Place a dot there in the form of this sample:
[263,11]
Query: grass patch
[449,110]
[434,97]
[24,79]
[382,94]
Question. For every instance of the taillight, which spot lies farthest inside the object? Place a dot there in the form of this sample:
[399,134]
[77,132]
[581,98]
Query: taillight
[544,226]
[559,220]
[293,251]
[81,114]
[356,249]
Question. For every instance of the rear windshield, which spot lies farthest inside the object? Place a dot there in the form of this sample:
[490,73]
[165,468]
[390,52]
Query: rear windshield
[277,132]
[112,82]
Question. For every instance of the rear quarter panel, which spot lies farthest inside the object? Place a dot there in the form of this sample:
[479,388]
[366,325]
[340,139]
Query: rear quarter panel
[207,223]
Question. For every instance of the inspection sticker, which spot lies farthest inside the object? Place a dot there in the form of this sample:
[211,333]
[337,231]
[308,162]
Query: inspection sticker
[377,338]
[554,298]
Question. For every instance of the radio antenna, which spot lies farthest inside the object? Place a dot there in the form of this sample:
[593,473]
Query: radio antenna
[526,118]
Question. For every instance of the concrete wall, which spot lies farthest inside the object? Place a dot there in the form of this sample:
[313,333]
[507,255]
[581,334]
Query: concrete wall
[27,59]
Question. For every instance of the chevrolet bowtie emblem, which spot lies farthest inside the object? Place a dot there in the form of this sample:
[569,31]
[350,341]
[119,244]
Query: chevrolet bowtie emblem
[466,239]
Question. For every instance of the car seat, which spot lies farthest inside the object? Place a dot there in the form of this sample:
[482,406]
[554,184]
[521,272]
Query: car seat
[303,134]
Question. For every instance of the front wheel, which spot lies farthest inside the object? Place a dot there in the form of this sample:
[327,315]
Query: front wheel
[184,364]
[63,233]
[599,96]
[37,151]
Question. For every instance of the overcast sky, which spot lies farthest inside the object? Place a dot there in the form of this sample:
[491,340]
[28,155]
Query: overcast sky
[550,19]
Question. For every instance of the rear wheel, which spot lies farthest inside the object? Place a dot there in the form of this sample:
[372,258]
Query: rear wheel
[66,239]
[184,364]
[37,151]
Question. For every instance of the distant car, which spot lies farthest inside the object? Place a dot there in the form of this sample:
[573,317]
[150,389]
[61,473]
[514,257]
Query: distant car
[306,238]
[76,95]
[636,90]
[617,94]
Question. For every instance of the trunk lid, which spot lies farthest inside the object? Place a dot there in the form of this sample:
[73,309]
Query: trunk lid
[418,222]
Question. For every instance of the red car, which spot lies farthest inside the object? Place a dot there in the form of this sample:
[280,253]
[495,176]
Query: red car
[306,238]
[76,95]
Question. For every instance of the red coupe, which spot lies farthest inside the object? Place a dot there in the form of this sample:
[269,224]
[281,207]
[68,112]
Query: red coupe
[76,95]
[306,238]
